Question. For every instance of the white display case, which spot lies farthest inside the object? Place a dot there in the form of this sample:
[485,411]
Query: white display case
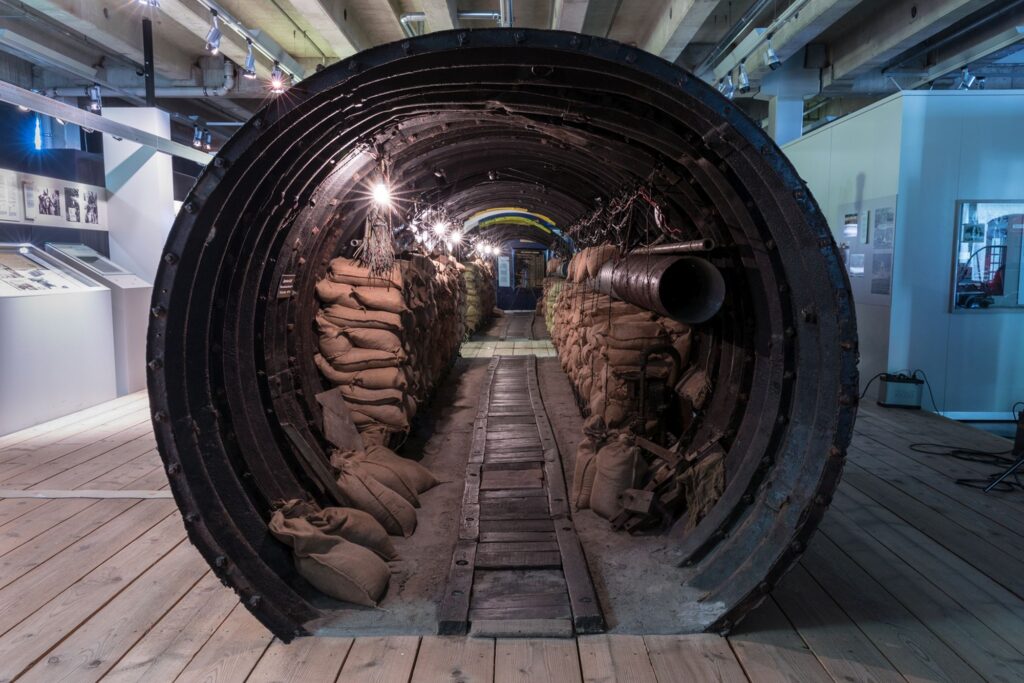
[56,339]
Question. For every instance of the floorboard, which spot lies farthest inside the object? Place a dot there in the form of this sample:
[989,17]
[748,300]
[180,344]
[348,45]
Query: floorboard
[911,577]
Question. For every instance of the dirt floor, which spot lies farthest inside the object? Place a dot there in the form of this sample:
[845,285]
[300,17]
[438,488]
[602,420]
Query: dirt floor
[442,434]
[632,574]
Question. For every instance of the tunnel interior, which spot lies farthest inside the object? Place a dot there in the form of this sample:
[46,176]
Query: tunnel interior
[573,128]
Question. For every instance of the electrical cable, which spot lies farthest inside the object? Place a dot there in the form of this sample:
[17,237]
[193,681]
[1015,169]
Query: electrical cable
[868,385]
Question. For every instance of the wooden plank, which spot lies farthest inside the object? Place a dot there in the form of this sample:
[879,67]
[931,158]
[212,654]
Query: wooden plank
[525,507]
[92,494]
[535,560]
[95,646]
[913,649]
[701,657]
[517,547]
[21,531]
[606,659]
[304,659]
[770,650]
[504,525]
[532,660]
[511,479]
[513,494]
[455,660]
[518,613]
[842,648]
[556,598]
[500,536]
[586,610]
[72,421]
[109,433]
[521,628]
[13,509]
[380,660]
[453,613]
[231,653]
[42,615]
[168,647]
[981,646]
[469,524]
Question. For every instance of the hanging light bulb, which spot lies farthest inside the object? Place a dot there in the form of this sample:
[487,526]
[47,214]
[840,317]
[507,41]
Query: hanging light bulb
[207,140]
[197,137]
[249,70]
[744,79]
[382,194]
[214,36]
[456,236]
[277,79]
[95,99]
[440,228]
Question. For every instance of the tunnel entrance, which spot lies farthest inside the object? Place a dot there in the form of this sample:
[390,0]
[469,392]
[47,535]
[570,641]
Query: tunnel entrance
[626,156]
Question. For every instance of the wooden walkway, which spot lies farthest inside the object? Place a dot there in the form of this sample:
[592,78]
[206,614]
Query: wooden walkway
[911,578]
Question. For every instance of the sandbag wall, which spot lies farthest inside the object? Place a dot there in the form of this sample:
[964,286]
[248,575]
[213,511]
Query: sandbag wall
[386,341]
[481,294]
[601,344]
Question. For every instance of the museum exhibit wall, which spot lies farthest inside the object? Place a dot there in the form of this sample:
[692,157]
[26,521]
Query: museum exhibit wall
[928,150]
[140,183]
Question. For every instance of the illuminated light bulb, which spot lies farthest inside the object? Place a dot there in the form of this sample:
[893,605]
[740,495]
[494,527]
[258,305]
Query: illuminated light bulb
[381,194]
[456,236]
[440,228]
[277,80]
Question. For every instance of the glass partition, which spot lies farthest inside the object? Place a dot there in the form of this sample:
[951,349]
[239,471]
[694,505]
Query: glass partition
[987,264]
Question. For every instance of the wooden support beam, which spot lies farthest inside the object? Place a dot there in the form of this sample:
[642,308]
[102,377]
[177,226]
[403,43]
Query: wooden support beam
[895,27]
[442,15]
[677,25]
[568,15]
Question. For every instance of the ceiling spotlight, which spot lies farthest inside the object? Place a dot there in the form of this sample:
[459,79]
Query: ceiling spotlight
[381,194]
[60,121]
[967,79]
[95,98]
[277,79]
[150,3]
[744,79]
[728,89]
[22,107]
[771,60]
[207,140]
[214,36]
[981,83]
[197,137]
[440,228]
[249,70]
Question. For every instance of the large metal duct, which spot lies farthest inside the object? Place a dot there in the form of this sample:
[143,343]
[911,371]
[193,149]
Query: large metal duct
[230,346]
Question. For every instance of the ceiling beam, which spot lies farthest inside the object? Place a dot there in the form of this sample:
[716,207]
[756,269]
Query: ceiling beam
[677,25]
[330,21]
[789,34]
[442,15]
[119,29]
[568,15]
[965,55]
[893,28]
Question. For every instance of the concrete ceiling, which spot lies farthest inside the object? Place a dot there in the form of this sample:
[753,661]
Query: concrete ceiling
[853,43]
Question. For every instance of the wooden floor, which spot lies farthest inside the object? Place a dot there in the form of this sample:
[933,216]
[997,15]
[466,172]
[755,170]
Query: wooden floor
[911,577]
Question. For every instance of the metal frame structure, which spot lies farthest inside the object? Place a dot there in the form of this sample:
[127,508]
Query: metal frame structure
[231,342]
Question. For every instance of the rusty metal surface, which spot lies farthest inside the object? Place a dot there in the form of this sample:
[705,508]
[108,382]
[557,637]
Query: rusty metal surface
[686,288]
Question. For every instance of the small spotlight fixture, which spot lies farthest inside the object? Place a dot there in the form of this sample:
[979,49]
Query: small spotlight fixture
[744,79]
[95,99]
[207,140]
[22,107]
[60,121]
[771,59]
[277,79]
[967,79]
[214,36]
[197,137]
[249,70]
[729,88]
[381,194]
[981,83]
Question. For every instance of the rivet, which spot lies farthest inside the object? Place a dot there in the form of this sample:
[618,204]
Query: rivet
[257,123]
[190,207]
[170,259]
[155,364]
[173,468]
[220,561]
[159,416]
[220,162]
[519,36]
[782,419]
[796,547]
[254,601]
[190,518]
[158,311]
[462,37]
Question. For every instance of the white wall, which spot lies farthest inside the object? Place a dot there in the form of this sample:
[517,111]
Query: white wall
[856,163]
[956,146]
[141,185]
[930,149]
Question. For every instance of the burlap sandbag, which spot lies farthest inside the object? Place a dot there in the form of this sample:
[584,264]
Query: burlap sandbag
[381,473]
[381,298]
[629,333]
[374,435]
[598,256]
[584,470]
[349,272]
[367,338]
[336,567]
[357,360]
[334,345]
[336,293]
[390,416]
[619,467]
[418,477]
[356,527]
[694,387]
[372,397]
[394,513]
[703,484]
[374,378]
[345,317]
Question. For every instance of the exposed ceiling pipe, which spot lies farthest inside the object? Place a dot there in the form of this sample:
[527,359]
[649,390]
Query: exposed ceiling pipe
[168,92]
[728,41]
[407,19]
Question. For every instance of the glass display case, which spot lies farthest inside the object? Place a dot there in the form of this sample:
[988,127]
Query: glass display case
[988,253]
[26,270]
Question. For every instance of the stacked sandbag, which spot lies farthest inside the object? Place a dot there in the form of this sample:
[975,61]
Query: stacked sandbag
[384,485]
[601,344]
[552,289]
[385,341]
[481,295]
[343,552]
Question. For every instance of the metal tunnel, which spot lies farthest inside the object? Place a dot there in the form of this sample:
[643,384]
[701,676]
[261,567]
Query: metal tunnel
[471,120]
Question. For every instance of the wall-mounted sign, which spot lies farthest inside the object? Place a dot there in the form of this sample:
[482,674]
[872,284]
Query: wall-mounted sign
[504,271]
[46,201]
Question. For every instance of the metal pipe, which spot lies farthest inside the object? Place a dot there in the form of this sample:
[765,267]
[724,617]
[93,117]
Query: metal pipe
[726,43]
[409,18]
[489,16]
[676,247]
[685,288]
[188,91]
